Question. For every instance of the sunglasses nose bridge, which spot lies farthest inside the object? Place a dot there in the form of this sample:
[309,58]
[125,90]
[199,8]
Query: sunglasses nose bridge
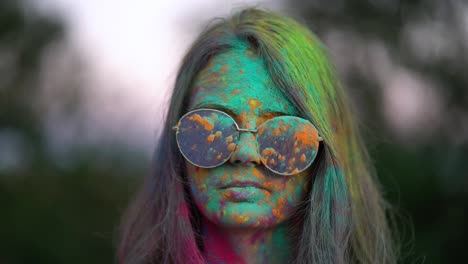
[246,151]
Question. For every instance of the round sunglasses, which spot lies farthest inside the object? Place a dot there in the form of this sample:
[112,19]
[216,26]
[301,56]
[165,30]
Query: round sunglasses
[207,138]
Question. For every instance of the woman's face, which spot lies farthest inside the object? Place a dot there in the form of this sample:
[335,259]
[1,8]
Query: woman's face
[242,191]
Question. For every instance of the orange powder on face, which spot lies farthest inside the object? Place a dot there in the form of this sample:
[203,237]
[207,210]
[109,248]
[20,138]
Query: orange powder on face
[242,219]
[276,213]
[281,201]
[202,121]
[258,174]
[225,195]
[269,116]
[218,133]
[229,139]
[260,131]
[213,78]
[254,103]
[202,174]
[242,120]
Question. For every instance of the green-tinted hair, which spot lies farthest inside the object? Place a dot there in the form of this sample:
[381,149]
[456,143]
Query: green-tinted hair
[343,219]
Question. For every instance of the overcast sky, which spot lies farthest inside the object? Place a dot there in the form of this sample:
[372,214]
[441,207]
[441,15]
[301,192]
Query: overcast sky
[130,52]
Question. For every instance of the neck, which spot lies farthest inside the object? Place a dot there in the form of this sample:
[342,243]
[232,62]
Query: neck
[246,245]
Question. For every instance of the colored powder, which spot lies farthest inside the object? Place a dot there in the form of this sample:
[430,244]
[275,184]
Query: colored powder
[292,161]
[276,213]
[304,137]
[231,147]
[210,138]
[303,158]
[268,151]
[183,210]
[253,104]
[242,219]
[255,237]
[201,120]
[220,249]
[284,127]
[260,130]
[276,131]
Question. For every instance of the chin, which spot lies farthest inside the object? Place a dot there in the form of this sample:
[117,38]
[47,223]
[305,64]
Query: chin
[244,214]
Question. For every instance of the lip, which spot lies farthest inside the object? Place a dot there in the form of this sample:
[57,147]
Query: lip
[241,184]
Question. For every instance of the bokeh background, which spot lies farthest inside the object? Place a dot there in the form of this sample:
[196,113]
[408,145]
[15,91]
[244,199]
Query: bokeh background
[84,86]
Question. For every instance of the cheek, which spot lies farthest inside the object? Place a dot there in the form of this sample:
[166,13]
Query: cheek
[302,181]
[197,180]
[193,173]
[201,181]
[295,188]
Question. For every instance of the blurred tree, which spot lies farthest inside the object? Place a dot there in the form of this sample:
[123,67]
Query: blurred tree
[50,213]
[55,213]
[425,177]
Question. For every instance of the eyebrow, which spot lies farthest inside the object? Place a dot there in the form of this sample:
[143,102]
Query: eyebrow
[232,112]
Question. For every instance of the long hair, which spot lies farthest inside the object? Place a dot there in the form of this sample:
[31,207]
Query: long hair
[343,219]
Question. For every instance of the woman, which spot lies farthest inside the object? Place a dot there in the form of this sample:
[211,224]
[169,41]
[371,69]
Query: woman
[259,160]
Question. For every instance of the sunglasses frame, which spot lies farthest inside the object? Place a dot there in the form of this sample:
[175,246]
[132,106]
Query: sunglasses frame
[254,131]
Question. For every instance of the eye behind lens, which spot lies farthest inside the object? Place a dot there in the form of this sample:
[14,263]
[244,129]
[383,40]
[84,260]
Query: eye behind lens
[288,145]
[206,138]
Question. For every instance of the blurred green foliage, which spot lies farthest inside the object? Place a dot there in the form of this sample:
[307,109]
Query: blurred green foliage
[426,182]
[51,212]
[56,213]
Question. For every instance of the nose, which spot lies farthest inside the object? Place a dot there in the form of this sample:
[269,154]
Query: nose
[246,151]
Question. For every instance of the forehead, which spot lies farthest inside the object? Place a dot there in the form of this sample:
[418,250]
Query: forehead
[238,80]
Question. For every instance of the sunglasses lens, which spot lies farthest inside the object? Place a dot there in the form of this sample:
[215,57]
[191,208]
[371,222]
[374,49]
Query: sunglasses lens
[207,138]
[288,145]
